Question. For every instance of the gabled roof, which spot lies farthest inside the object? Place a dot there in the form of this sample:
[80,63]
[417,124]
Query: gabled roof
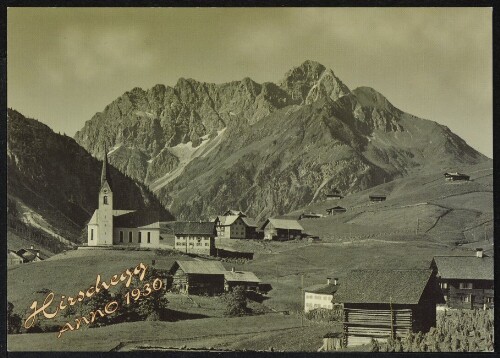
[464,267]
[93,219]
[29,254]
[455,174]
[337,208]
[194,228]
[227,220]
[249,222]
[14,255]
[240,276]
[284,224]
[201,267]
[327,289]
[383,286]
[135,219]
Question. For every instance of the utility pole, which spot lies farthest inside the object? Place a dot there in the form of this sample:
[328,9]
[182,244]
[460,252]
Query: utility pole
[276,273]
[392,317]
[418,223]
[302,300]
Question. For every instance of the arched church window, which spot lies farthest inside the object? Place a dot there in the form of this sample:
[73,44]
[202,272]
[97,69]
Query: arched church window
[105,200]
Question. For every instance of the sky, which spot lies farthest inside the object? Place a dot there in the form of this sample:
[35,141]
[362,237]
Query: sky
[66,64]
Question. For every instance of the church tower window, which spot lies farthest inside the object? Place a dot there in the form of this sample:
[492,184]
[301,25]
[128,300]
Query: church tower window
[105,200]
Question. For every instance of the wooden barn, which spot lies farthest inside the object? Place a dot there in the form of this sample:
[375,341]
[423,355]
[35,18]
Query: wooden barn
[387,303]
[198,277]
[456,177]
[377,197]
[246,279]
[13,258]
[336,210]
[334,196]
[467,282]
[282,229]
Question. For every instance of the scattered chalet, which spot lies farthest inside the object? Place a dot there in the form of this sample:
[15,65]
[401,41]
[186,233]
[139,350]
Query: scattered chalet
[320,296]
[334,195]
[383,303]
[456,176]
[195,237]
[29,255]
[246,279]
[377,197]
[310,216]
[281,229]
[235,224]
[466,281]
[108,226]
[336,210]
[198,277]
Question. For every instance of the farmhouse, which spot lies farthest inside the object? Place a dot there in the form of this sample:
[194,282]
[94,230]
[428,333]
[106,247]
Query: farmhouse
[235,224]
[281,229]
[108,227]
[336,210]
[456,176]
[320,296]
[246,279]
[383,303]
[29,255]
[13,258]
[198,277]
[195,237]
[334,195]
[466,281]
[377,197]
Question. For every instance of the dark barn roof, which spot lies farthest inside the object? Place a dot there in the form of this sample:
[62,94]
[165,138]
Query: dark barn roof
[383,286]
[327,289]
[136,219]
[194,228]
[464,267]
[200,267]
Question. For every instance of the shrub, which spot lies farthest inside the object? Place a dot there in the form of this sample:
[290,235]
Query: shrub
[236,302]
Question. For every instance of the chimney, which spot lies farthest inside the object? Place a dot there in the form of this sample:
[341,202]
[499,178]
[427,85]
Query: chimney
[328,279]
[335,281]
[37,254]
[31,247]
[232,269]
[479,252]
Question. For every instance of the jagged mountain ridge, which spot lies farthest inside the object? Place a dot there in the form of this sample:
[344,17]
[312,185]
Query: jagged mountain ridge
[53,179]
[266,148]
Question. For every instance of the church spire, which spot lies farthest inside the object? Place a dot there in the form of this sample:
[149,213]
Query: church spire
[104,172]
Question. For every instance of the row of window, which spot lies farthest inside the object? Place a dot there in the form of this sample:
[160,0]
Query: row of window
[461,285]
[317,305]
[318,297]
[191,244]
[139,236]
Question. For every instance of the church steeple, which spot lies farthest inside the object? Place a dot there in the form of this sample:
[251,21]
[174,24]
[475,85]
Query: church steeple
[105,172]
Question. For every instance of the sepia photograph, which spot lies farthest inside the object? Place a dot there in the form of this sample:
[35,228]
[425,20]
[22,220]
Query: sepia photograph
[229,179]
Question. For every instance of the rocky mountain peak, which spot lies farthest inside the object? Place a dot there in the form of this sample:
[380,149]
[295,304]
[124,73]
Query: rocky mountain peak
[369,97]
[312,81]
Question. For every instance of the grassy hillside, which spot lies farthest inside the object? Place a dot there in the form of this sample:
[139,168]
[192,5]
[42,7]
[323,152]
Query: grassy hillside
[422,206]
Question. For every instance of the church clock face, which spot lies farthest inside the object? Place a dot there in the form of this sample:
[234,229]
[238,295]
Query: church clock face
[105,191]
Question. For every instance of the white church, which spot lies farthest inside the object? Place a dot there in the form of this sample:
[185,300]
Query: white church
[109,226]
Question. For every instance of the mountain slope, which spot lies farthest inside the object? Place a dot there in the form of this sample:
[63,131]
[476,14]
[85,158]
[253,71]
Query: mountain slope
[266,148]
[52,182]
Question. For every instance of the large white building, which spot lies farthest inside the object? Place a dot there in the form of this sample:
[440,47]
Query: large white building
[109,226]
[320,296]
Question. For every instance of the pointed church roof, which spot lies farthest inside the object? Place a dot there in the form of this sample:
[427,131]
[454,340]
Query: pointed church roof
[105,170]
